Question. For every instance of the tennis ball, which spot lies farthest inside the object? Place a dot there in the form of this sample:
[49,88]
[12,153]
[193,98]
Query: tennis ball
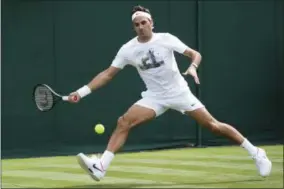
[99,128]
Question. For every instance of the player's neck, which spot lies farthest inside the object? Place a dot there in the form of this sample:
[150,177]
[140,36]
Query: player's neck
[145,39]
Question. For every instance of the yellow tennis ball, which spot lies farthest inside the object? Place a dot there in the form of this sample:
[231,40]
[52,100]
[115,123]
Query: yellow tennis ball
[99,128]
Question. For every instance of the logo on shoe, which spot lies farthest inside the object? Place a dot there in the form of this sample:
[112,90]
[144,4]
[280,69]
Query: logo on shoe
[95,167]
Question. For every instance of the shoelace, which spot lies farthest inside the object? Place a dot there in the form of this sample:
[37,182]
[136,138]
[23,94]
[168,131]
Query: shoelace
[254,157]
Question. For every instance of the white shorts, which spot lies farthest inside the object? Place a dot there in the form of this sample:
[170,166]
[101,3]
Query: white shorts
[182,103]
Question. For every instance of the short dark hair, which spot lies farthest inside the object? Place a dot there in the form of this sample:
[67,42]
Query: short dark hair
[139,8]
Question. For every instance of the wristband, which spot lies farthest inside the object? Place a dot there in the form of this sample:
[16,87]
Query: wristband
[84,91]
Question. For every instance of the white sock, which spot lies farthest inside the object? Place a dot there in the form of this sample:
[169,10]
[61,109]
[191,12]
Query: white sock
[249,147]
[106,159]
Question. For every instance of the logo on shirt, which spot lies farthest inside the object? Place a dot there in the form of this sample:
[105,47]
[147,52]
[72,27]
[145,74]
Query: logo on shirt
[150,61]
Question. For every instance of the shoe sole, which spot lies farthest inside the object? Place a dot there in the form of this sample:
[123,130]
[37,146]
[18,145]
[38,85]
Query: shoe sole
[85,168]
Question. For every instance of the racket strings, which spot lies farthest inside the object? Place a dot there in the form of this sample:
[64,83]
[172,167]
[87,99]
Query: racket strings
[43,98]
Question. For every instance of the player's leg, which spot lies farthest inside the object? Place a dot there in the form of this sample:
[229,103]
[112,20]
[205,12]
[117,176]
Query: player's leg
[188,104]
[133,117]
[205,119]
[198,112]
[142,111]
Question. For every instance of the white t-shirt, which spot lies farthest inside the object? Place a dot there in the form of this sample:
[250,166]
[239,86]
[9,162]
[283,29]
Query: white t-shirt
[156,64]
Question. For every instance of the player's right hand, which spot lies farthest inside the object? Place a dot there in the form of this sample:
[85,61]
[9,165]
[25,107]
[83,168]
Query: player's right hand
[74,97]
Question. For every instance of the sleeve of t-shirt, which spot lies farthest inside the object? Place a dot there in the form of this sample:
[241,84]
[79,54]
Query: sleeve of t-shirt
[120,60]
[175,43]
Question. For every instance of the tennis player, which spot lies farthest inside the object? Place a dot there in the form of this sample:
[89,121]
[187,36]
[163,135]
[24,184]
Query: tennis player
[152,54]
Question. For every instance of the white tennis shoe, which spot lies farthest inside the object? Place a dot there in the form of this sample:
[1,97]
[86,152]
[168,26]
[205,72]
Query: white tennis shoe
[262,163]
[92,166]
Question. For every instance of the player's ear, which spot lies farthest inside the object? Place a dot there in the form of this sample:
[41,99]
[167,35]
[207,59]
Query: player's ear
[152,23]
[133,26]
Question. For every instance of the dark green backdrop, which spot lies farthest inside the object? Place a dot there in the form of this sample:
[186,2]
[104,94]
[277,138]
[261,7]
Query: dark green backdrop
[66,43]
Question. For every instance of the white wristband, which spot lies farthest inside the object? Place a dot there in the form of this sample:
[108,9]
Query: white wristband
[84,91]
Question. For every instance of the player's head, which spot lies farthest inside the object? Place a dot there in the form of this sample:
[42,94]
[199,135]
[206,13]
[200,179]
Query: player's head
[142,21]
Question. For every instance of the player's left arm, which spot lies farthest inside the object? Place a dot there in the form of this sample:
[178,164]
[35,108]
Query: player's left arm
[196,58]
[194,55]
[177,45]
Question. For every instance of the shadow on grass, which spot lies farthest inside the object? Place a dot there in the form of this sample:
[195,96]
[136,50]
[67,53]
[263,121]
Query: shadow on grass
[160,185]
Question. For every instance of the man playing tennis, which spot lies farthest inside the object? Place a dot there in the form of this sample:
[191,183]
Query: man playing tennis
[152,54]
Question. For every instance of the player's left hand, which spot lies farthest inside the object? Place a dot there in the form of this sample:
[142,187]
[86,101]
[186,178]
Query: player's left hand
[192,71]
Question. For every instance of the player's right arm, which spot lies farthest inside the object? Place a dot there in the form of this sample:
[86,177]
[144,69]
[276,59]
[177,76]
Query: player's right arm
[98,81]
[102,78]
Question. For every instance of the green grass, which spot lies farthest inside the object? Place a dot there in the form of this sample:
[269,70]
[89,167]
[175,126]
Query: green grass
[215,167]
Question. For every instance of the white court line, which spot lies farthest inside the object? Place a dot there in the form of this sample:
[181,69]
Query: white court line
[72,177]
[153,155]
[177,186]
[12,185]
[213,150]
[213,164]
[192,156]
[155,171]
[176,172]
[165,185]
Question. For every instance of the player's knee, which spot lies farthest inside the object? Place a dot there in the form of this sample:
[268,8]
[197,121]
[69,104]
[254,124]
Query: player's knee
[213,125]
[124,124]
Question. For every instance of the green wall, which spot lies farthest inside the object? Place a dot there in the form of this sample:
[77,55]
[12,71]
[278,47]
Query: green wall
[240,67]
[66,43]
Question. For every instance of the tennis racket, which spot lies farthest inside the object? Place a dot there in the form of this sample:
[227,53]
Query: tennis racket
[45,97]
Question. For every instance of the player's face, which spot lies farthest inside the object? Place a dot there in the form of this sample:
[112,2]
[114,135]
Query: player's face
[143,26]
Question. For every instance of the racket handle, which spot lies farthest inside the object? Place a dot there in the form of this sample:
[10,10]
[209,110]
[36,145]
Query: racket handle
[65,98]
